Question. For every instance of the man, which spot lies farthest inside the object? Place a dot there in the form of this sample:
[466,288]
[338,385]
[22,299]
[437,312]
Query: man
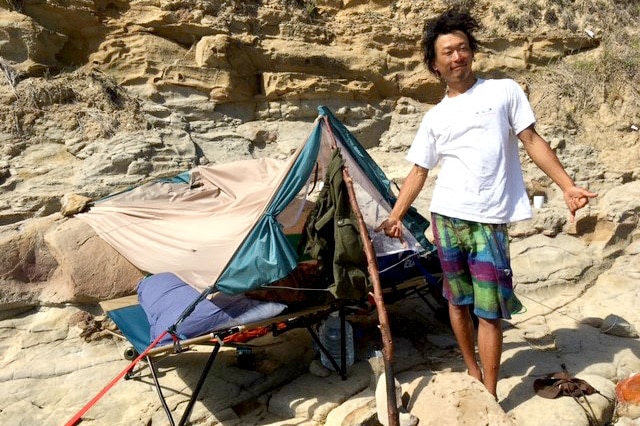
[473,133]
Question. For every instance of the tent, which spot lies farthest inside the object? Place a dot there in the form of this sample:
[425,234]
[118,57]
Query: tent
[231,220]
[235,227]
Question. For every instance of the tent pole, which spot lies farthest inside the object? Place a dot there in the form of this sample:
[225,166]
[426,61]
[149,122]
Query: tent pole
[385,330]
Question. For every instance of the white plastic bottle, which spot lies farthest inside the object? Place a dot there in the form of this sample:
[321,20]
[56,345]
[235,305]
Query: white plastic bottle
[330,338]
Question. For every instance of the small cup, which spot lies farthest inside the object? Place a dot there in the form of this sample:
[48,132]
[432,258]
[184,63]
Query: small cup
[538,201]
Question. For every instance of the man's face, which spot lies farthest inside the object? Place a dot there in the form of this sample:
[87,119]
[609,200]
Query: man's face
[453,57]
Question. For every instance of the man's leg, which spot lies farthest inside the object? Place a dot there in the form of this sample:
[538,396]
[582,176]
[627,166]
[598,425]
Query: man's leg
[465,336]
[493,296]
[490,349]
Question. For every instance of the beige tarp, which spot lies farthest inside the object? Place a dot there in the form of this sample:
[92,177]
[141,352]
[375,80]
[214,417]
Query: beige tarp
[191,230]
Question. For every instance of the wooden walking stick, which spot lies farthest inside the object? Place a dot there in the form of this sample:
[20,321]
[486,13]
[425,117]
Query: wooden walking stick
[385,331]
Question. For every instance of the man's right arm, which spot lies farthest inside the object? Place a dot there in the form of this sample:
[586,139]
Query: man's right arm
[411,187]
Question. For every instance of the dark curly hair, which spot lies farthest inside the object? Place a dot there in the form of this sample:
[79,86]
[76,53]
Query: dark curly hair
[448,22]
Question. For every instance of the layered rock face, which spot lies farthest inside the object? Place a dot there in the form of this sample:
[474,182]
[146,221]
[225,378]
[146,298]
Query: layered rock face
[102,95]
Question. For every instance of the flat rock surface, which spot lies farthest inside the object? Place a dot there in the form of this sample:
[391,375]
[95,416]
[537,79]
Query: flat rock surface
[51,368]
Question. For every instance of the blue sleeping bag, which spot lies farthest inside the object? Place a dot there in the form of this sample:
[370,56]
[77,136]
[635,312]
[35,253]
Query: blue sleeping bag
[164,297]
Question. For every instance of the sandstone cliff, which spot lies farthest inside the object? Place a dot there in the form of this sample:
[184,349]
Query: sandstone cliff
[102,95]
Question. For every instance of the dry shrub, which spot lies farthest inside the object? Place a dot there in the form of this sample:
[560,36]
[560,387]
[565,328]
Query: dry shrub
[612,75]
[85,100]
[41,96]
[609,75]
[93,88]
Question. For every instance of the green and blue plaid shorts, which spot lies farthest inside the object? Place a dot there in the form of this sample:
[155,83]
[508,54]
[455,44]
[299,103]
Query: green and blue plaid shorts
[476,266]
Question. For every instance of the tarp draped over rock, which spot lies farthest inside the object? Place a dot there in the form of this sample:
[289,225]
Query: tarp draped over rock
[191,230]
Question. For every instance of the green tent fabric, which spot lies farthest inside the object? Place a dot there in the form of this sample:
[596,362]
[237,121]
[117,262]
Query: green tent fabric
[266,254]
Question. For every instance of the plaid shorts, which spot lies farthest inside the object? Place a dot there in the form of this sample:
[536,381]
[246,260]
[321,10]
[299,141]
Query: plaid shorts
[476,266]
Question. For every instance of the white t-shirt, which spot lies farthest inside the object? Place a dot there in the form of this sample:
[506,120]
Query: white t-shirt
[473,136]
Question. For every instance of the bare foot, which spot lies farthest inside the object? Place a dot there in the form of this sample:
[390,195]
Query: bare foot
[476,374]
[491,387]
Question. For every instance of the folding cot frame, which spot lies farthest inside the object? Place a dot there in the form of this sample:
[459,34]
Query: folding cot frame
[134,326]
[132,322]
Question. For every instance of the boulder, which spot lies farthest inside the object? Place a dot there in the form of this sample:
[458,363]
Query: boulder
[90,270]
[544,264]
[447,398]
[565,410]
[54,260]
[26,264]
[27,45]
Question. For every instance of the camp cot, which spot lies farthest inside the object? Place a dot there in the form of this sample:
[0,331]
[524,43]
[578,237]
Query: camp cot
[220,232]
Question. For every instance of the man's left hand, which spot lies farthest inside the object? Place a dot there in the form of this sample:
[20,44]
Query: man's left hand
[576,198]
